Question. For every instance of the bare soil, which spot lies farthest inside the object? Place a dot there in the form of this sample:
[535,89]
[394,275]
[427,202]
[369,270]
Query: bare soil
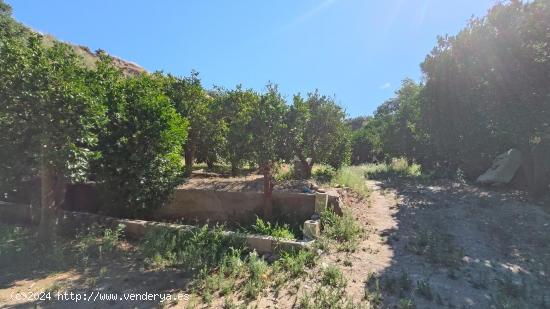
[250,183]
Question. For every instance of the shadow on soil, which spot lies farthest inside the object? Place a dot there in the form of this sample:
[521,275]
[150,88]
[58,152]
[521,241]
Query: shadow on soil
[459,246]
[115,273]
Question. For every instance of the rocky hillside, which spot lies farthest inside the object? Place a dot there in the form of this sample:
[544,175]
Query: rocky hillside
[89,58]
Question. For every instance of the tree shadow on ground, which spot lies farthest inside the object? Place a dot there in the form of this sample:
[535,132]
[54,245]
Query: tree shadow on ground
[455,245]
[120,273]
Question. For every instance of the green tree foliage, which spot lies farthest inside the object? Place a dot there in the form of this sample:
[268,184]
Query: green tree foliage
[47,117]
[317,129]
[192,103]
[141,144]
[394,129]
[267,143]
[487,87]
[236,108]
[8,26]
[485,91]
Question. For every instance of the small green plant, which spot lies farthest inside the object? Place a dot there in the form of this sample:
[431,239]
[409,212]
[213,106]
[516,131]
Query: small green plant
[266,228]
[397,284]
[424,289]
[438,248]
[257,279]
[295,262]
[373,293]
[95,241]
[332,276]
[343,229]
[406,303]
[327,298]
[323,173]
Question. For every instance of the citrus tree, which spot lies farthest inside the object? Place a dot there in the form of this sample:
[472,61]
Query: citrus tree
[267,145]
[140,145]
[48,119]
[316,129]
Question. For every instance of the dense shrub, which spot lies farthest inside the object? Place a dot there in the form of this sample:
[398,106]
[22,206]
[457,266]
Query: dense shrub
[323,174]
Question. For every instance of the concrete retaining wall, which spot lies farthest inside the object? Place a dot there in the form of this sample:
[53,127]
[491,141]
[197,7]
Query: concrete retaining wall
[241,207]
[70,222]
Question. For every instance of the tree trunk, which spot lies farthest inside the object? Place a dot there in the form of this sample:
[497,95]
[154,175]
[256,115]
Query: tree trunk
[189,155]
[234,169]
[47,199]
[306,167]
[268,192]
[210,163]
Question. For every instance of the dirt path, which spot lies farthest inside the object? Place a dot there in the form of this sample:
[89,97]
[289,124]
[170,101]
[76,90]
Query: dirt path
[375,215]
[454,245]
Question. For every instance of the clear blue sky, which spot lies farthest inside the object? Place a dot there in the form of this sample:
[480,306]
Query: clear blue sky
[357,50]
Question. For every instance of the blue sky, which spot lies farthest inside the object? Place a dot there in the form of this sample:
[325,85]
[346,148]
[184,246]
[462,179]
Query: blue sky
[357,50]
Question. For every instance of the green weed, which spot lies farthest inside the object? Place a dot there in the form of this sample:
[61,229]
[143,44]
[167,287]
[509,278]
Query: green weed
[354,178]
[406,303]
[275,230]
[343,229]
[95,241]
[424,289]
[437,247]
[332,276]
[397,167]
[192,249]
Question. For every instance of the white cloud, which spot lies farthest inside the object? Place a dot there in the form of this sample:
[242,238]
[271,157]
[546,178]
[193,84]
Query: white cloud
[385,86]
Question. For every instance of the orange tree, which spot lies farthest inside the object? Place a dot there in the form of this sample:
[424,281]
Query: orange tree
[267,144]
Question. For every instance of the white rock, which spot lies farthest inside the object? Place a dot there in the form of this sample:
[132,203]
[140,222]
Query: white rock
[503,169]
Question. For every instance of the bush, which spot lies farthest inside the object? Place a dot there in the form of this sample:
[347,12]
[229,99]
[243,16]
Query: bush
[141,145]
[332,276]
[323,173]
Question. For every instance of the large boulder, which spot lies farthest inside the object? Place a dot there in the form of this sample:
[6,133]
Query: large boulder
[503,169]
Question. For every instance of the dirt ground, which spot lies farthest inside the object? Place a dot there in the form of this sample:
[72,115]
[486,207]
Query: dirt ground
[458,246]
[500,243]
[250,183]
